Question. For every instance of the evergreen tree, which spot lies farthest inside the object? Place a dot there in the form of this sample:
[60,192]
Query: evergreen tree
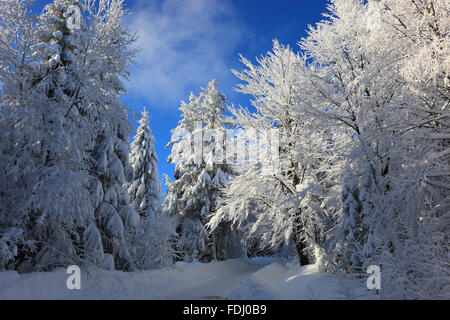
[54,205]
[197,144]
[65,133]
[108,60]
[144,191]
[153,242]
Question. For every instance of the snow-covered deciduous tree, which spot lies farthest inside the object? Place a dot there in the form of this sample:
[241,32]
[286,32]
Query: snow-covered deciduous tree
[360,176]
[16,36]
[418,264]
[380,71]
[274,199]
[153,243]
[197,143]
[363,120]
[348,91]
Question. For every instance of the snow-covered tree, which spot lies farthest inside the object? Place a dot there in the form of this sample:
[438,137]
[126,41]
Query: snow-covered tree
[108,59]
[45,147]
[153,242]
[363,118]
[379,71]
[65,127]
[16,34]
[362,176]
[348,91]
[144,191]
[421,205]
[280,217]
[197,143]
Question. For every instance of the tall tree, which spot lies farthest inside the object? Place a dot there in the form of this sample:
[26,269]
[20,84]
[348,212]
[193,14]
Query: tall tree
[379,72]
[153,242]
[144,191]
[279,217]
[197,146]
[65,97]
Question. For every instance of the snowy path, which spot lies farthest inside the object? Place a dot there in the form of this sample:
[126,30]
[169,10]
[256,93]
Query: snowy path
[183,281]
[232,279]
[219,285]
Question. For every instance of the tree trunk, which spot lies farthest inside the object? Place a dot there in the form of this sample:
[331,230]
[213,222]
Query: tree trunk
[299,244]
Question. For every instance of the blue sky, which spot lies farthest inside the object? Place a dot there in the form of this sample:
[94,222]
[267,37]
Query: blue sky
[186,43]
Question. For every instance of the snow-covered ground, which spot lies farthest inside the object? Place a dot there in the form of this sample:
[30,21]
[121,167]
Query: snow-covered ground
[232,279]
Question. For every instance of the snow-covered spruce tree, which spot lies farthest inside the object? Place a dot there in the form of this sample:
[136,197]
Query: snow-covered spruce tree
[144,190]
[97,101]
[63,109]
[108,60]
[199,176]
[50,203]
[153,242]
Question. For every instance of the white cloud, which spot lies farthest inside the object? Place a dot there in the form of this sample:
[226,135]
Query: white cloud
[185,43]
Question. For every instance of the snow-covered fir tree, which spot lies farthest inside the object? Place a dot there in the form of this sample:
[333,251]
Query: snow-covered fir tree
[144,191]
[200,173]
[109,61]
[66,164]
[54,203]
[153,243]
